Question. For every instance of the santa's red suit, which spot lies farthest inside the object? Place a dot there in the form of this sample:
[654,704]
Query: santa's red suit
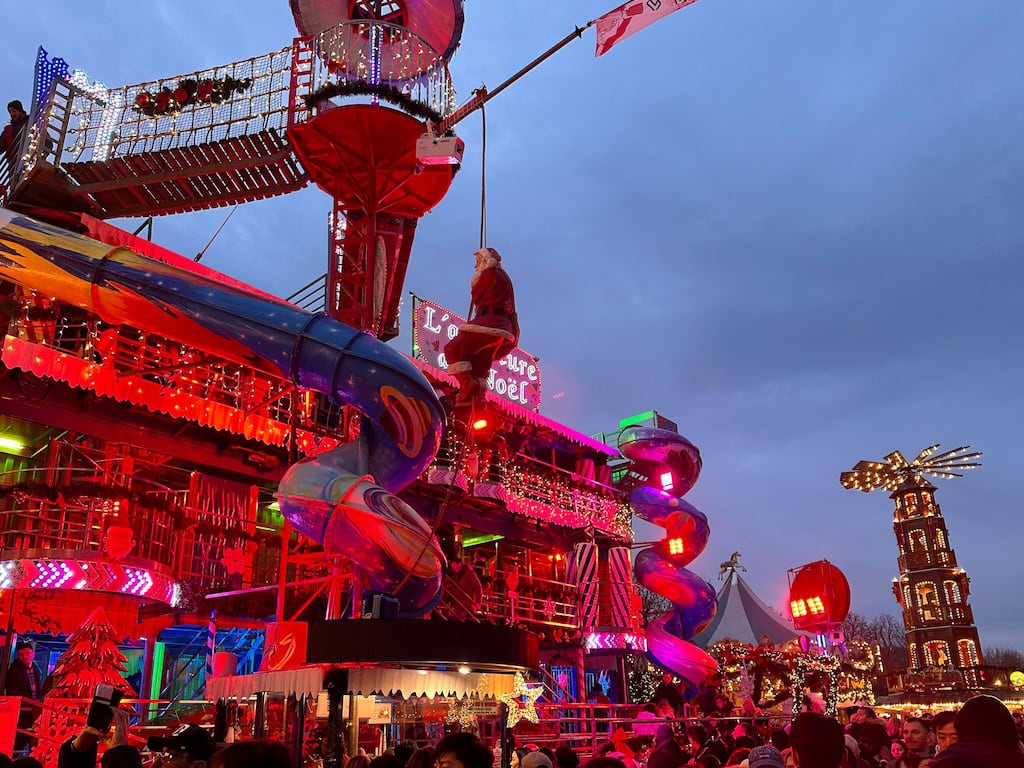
[493,328]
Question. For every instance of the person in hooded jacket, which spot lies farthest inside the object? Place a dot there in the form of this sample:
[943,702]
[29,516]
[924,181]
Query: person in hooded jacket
[987,738]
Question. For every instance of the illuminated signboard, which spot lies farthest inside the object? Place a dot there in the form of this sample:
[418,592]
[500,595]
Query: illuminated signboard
[515,377]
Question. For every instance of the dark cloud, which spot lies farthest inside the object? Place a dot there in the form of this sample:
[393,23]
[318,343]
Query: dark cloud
[793,227]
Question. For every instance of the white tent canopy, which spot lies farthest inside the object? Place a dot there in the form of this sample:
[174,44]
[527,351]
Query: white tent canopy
[744,617]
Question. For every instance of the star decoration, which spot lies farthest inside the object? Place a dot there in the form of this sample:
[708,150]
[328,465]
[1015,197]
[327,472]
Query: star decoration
[522,701]
[461,712]
[483,686]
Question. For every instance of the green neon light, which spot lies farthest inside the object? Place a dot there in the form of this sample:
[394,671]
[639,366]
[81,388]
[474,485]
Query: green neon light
[157,675]
[10,445]
[477,540]
[640,418]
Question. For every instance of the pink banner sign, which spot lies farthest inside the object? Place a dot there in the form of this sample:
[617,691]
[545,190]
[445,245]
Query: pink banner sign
[515,377]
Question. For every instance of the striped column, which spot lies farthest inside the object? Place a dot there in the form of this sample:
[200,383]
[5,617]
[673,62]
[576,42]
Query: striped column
[211,644]
[620,582]
[584,576]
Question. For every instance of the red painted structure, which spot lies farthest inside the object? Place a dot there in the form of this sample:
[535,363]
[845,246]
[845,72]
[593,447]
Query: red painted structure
[819,596]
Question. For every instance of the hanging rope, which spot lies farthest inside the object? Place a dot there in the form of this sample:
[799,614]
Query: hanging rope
[483,177]
[442,510]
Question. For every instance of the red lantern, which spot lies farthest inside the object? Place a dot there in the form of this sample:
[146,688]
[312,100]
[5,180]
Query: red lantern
[819,596]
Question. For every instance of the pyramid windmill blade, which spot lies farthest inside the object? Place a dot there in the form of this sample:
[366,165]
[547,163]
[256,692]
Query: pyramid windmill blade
[866,479]
[872,475]
[957,454]
[925,453]
[897,459]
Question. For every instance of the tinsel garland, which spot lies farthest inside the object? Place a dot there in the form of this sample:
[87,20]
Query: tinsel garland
[189,91]
[389,93]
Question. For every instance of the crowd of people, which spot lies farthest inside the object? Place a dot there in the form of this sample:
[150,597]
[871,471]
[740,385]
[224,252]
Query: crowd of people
[982,734]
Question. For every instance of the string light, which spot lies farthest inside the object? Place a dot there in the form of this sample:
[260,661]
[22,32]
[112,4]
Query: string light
[522,701]
[896,472]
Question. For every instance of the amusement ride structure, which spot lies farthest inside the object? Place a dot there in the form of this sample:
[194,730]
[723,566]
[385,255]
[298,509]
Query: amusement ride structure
[201,457]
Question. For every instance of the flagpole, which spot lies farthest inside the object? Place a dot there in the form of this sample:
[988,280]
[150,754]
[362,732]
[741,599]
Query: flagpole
[481,96]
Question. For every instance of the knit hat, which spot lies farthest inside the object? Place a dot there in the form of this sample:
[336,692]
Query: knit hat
[536,760]
[765,756]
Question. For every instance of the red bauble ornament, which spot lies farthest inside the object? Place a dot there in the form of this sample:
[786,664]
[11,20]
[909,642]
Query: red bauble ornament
[819,596]
[180,95]
[142,99]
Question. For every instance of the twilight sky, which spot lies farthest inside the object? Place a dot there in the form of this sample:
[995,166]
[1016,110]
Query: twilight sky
[793,227]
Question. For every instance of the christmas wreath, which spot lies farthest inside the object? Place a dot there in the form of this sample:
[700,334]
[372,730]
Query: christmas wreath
[389,93]
[168,101]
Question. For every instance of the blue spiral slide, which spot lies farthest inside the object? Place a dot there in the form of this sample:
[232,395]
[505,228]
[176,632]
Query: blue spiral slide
[342,498]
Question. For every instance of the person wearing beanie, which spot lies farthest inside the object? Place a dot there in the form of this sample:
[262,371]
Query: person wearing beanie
[765,757]
[25,679]
[986,737]
[491,332]
[14,133]
[536,760]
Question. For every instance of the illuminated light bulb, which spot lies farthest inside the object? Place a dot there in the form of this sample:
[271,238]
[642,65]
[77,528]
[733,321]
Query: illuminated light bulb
[675,546]
[464,670]
[480,424]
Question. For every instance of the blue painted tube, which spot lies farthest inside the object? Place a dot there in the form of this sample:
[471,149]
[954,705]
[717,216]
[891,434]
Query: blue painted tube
[342,498]
[670,465]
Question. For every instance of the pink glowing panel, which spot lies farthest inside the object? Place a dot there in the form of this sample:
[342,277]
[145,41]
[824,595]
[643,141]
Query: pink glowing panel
[87,576]
[615,641]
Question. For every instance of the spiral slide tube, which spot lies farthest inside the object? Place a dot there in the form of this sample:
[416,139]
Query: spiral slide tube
[671,465]
[343,498]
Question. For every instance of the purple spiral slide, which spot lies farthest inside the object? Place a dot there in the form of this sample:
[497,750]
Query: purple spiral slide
[669,465]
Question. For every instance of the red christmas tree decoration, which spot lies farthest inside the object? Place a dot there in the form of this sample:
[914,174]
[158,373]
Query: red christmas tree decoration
[92,658]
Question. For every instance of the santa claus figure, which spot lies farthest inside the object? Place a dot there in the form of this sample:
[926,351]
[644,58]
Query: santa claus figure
[492,331]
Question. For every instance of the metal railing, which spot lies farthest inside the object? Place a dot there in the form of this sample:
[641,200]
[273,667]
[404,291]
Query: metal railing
[236,99]
[373,60]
